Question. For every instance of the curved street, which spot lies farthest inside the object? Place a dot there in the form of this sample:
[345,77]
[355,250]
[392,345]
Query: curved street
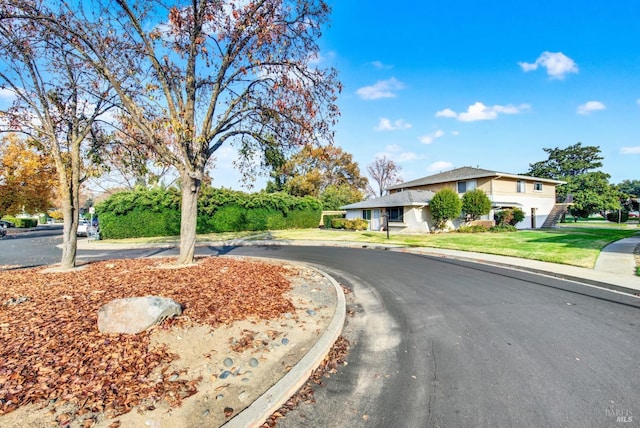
[441,342]
[447,343]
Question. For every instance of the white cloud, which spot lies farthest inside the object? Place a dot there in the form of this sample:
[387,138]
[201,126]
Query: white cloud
[430,138]
[381,89]
[395,153]
[589,107]
[381,66]
[635,150]
[439,166]
[638,101]
[479,111]
[386,125]
[455,133]
[446,113]
[557,64]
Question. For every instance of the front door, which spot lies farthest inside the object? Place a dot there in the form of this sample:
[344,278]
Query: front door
[533,218]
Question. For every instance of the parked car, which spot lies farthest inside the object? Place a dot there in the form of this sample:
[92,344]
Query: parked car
[83,228]
[6,224]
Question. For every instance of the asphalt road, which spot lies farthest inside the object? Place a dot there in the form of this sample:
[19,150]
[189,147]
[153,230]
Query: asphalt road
[443,343]
[440,343]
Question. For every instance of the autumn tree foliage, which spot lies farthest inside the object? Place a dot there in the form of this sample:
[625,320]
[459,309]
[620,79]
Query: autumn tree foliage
[321,171]
[384,172]
[196,75]
[27,177]
[57,103]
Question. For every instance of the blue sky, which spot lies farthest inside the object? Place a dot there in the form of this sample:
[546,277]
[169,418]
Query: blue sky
[438,84]
[442,84]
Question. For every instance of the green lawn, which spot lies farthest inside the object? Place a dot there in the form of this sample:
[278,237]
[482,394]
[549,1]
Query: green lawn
[578,246]
[573,246]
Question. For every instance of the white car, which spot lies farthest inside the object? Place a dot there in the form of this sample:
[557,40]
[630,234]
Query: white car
[83,228]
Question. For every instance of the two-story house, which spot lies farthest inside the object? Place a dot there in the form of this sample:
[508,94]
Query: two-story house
[407,204]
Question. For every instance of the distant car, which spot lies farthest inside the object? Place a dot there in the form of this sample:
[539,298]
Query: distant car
[83,228]
[633,214]
[6,224]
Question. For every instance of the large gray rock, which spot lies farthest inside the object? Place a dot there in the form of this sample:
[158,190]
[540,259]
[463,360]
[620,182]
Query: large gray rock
[135,314]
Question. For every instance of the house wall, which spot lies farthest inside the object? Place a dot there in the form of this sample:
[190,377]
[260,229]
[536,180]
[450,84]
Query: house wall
[416,219]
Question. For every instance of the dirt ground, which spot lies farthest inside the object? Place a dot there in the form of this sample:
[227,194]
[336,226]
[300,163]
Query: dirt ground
[245,323]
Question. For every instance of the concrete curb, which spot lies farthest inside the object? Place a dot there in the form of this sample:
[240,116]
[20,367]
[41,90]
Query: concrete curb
[286,387]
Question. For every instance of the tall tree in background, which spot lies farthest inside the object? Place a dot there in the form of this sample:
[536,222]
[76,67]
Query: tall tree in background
[209,73]
[577,165]
[27,178]
[630,188]
[569,162]
[384,172]
[314,171]
[57,105]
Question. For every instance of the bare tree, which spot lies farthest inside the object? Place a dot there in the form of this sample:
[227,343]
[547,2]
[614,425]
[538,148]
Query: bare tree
[57,105]
[384,172]
[195,75]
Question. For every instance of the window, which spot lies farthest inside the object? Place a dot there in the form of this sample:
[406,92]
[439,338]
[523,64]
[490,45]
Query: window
[396,214]
[366,214]
[520,186]
[465,186]
[537,186]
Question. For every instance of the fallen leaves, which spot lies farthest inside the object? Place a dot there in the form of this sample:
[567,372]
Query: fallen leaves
[53,355]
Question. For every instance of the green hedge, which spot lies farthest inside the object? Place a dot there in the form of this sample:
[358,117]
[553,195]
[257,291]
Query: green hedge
[350,224]
[615,216]
[25,222]
[157,212]
[327,220]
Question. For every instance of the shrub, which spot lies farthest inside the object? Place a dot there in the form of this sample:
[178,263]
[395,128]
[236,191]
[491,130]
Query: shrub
[219,210]
[509,216]
[476,203]
[614,216]
[445,205]
[328,219]
[25,222]
[477,228]
[503,228]
[350,224]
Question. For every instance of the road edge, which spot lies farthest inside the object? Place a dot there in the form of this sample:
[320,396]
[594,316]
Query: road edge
[269,402]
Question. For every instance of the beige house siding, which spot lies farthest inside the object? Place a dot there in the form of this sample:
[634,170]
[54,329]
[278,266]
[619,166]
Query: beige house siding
[536,197]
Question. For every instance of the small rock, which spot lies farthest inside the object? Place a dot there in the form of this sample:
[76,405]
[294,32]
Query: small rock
[225,374]
[174,378]
[206,413]
[16,301]
[228,362]
[285,341]
[253,362]
[311,312]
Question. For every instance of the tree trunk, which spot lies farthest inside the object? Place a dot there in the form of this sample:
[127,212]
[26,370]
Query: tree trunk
[188,218]
[71,213]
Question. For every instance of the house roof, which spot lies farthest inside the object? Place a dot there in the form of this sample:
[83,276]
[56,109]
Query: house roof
[399,199]
[466,173]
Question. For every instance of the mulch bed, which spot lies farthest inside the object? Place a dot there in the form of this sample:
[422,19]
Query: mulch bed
[53,355]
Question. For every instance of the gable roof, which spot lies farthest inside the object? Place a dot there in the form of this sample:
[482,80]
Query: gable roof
[399,199]
[466,173]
